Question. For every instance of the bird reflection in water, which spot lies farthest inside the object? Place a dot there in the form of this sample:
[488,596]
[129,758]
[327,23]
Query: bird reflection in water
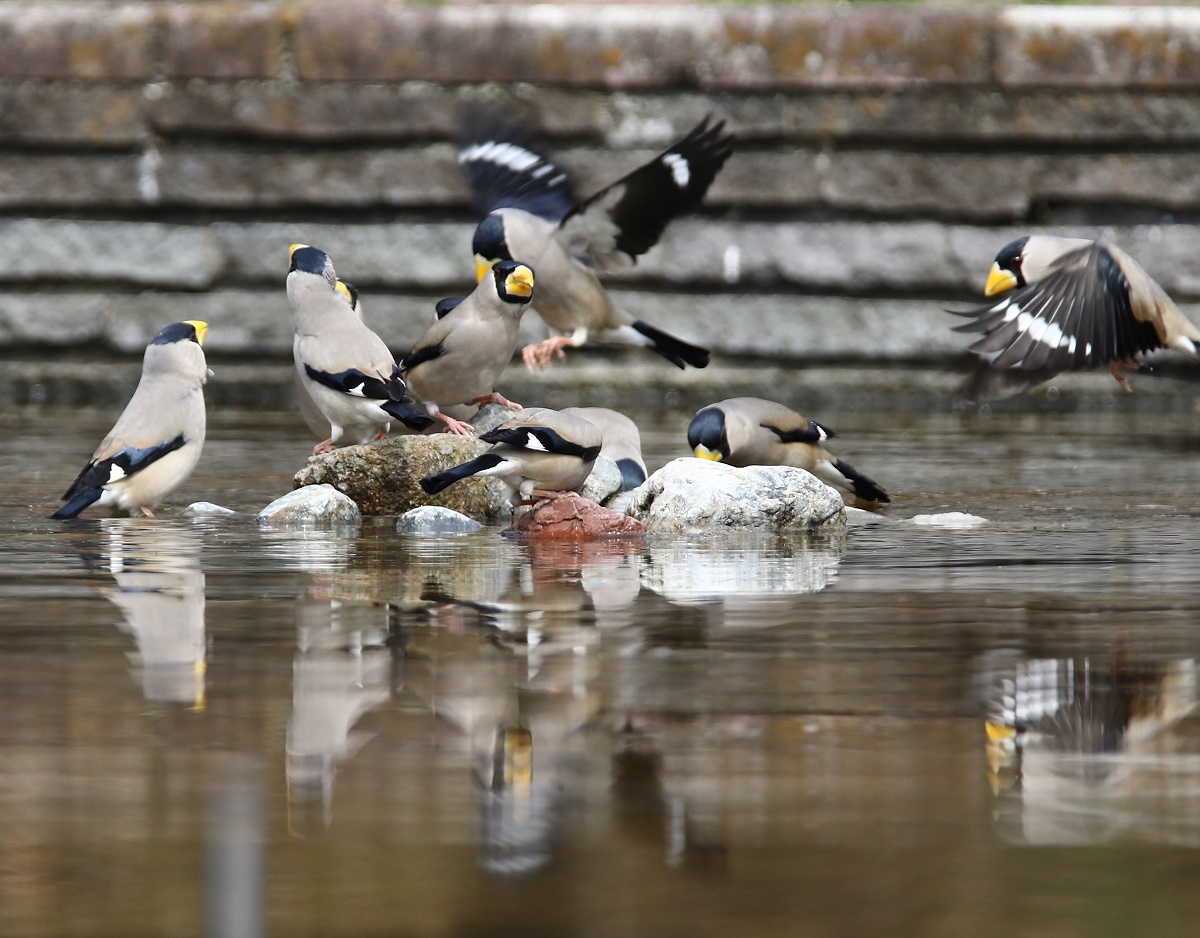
[342,670]
[160,592]
[1080,749]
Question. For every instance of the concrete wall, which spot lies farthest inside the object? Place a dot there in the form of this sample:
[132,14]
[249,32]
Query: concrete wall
[156,159]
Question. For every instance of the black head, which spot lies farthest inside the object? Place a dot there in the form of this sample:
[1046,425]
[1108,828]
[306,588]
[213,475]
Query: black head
[1010,258]
[488,242]
[514,281]
[192,330]
[707,436]
[444,306]
[310,260]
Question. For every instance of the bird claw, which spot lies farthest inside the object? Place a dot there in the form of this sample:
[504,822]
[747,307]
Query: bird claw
[457,427]
[324,447]
[496,398]
[540,354]
[1115,369]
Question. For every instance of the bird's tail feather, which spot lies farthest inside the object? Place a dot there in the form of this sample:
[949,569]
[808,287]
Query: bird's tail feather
[865,488]
[81,501]
[435,483]
[672,349]
[408,413]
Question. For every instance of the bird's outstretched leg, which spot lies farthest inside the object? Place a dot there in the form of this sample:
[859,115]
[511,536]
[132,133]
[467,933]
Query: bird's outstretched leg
[146,512]
[1117,367]
[496,398]
[540,354]
[457,427]
[324,447]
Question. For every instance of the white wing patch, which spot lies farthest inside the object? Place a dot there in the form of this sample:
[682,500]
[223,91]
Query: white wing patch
[508,155]
[532,442]
[115,474]
[680,171]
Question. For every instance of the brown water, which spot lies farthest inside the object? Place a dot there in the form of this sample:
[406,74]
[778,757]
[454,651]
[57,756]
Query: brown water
[209,728]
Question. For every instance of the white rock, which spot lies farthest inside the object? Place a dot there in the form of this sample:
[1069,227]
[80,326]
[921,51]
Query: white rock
[949,519]
[604,481]
[693,495]
[206,510]
[435,521]
[309,505]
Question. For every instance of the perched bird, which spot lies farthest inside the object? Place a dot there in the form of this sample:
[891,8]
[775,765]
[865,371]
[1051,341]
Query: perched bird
[462,355]
[1064,304]
[622,442]
[156,442]
[308,407]
[748,431]
[343,365]
[537,452]
[530,213]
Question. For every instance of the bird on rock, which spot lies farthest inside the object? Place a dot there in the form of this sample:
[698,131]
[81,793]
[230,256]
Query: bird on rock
[530,213]
[537,452]
[1065,304]
[622,442]
[344,366]
[308,407]
[749,431]
[156,442]
[463,353]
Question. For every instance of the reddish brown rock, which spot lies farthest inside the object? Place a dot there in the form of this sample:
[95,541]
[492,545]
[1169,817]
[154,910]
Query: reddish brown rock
[572,516]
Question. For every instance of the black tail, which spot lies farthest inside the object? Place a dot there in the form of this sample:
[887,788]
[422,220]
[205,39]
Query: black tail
[435,483]
[408,413]
[864,488]
[72,508]
[674,350]
[632,474]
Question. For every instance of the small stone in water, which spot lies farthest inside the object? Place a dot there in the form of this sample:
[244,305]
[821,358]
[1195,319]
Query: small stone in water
[435,521]
[949,519]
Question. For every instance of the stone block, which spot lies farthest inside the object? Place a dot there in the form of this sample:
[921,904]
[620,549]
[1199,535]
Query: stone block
[54,114]
[70,182]
[1088,47]
[232,177]
[334,112]
[77,40]
[223,40]
[142,253]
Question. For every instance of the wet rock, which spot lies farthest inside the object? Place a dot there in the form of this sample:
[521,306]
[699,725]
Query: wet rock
[384,478]
[206,510]
[949,519]
[313,504]
[604,482]
[573,516]
[435,521]
[699,495]
[489,417]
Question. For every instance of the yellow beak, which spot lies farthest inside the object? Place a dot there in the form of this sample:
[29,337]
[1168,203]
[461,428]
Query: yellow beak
[482,266]
[200,327]
[519,282]
[344,290]
[703,452]
[999,280]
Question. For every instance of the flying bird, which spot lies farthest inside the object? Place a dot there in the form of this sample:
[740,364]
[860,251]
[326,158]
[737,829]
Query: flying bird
[530,214]
[1065,304]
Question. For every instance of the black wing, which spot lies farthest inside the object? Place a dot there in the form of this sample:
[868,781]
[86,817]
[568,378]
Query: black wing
[1076,316]
[421,355]
[360,384]
[542,440]
[119,466]
[505,168]
[813,433]
[629,216]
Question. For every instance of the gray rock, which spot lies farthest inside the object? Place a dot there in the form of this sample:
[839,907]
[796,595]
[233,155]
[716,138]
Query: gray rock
[384,478]
[314,504]
[604,482]
[489,417]
[206,510]
[435,521]
[696,495]
[949,519]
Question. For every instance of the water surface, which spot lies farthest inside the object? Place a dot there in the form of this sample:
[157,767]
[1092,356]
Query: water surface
[210,727]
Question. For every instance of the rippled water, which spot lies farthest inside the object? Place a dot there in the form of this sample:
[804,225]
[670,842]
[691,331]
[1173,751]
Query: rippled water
[214,728]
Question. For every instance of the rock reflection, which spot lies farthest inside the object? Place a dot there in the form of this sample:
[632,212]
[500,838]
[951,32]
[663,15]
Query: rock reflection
[342,669]
[1084,750]
[757,573]
[160,592]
